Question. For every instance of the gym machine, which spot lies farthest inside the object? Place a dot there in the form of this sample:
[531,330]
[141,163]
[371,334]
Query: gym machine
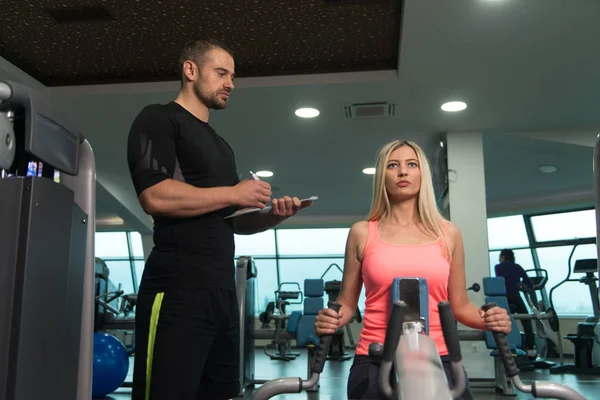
[245,282]
[545,318]
[47,195]
[295,384]
[418,369]
[281,340]
[336,350]
[585,341]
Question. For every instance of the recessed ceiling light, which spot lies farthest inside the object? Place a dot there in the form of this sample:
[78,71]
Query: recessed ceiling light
[264,174]
[307,112]
[547,169]
[369,171]
[454,106]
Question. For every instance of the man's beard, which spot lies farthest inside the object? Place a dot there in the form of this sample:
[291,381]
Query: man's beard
[211,101]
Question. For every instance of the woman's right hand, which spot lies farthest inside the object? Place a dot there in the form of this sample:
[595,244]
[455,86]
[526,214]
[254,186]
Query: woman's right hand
[327,322]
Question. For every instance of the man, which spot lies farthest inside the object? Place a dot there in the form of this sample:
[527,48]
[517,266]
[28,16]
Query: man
[187,318]
[512,274]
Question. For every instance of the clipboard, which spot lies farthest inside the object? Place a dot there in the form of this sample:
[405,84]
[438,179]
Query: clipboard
[264,210]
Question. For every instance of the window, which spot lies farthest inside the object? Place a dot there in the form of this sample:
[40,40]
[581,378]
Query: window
[564,226]
[124,256]
[266,283]
[111,245]
[139,271]
[523,257]
[571,298]
[297,270]
[120,275]
[312,242]
[507,232]
[260,244]
[137,249]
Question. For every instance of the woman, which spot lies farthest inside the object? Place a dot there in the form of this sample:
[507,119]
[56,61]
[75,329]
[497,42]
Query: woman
[405,235]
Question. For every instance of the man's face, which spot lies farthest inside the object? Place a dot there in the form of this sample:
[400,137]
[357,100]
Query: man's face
[215,80]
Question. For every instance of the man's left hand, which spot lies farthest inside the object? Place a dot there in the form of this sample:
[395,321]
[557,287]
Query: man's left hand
[287,206]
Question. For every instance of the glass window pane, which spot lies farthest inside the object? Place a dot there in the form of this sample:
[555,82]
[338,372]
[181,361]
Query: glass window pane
[259,244]
[570,297]
[563,226]
[137,250]
[111,245]
[507,232]
[139,271]
[120,274]
[266,283]
[316,242]
[523,257]
[297,270]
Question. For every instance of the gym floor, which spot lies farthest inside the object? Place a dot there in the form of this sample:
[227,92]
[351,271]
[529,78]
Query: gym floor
[333,380]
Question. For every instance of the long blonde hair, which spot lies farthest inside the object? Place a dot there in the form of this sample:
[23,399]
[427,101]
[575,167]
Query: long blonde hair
[429,215]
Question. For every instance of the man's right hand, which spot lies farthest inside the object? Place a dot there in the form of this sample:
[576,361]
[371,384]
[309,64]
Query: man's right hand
[252,193]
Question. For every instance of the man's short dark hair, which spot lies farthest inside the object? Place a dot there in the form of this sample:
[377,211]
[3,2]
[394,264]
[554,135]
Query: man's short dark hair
[508,255]
[196,50]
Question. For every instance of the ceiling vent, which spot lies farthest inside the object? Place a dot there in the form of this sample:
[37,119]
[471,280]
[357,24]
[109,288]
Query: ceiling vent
[369,110]
[79,14]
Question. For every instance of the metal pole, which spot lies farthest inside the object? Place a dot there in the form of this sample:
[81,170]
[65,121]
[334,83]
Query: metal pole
[596,166]
[84,187]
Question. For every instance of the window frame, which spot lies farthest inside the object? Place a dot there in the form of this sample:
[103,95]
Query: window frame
[534,245]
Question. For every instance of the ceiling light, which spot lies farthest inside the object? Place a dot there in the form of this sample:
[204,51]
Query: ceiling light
[264,174]
[369,171]
[454,106]
[110,221]
[547,169]
[307,112]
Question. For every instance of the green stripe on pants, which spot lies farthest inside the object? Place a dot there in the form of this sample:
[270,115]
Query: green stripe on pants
[151,337]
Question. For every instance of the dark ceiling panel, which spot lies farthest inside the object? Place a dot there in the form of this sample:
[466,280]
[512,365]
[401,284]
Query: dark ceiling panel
[116,41]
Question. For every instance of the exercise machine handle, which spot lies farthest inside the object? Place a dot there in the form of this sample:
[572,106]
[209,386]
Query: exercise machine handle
[394,331]
[324,343]
[450,331]
[503,348]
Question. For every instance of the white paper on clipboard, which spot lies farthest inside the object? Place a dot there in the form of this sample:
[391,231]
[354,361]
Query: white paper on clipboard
[266,209]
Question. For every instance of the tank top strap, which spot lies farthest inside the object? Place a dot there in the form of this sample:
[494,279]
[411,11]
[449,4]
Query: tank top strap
[372,234]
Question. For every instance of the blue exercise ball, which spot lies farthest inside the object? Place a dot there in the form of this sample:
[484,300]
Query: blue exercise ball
[111,364]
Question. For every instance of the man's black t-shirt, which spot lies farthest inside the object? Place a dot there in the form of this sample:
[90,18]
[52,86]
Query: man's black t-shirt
[168,142]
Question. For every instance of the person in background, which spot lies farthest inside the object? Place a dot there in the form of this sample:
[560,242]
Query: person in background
[513,275]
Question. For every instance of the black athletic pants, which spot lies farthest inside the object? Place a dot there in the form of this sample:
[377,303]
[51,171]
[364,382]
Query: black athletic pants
[187,346]
[516,300]
[363,381]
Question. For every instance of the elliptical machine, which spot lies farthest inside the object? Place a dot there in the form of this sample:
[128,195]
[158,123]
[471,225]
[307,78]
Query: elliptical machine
[546,322]
[586,340]
[419,372]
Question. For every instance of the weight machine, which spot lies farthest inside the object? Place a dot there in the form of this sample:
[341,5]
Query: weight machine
[337,347]
[47,188]
[281,341]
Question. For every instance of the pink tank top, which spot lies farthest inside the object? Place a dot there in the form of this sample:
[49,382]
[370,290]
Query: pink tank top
[382,262]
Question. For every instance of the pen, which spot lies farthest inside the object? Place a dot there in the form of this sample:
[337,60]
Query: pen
[254,176]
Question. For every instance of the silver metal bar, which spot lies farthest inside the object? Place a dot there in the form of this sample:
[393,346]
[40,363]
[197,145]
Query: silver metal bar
[596,166]
[5,91]
[84,187]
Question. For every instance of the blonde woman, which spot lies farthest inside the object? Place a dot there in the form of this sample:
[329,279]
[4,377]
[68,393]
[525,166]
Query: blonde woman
[404,235]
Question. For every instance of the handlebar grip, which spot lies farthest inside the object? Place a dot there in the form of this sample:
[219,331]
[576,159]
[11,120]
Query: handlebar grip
[450,331]
[324,343]
[503,348]
[393,331]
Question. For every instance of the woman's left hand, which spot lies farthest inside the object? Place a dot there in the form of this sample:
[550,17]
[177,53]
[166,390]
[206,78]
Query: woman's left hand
[496,319]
